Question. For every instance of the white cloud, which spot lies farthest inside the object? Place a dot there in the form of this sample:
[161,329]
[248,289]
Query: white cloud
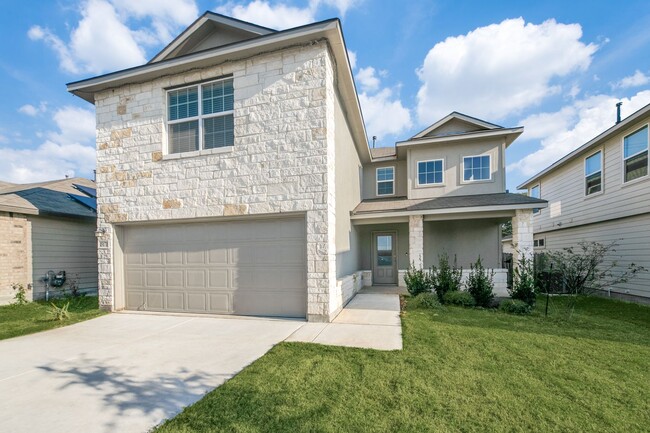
[278,16]
[32,110]
[353,59]
[166,15]
[384,114]
[499,70]
[572,126]
[341,5]
[635,80]
[70,150]
[367,79]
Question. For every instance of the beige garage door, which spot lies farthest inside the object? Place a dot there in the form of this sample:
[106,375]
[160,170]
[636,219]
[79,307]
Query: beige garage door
[254,267]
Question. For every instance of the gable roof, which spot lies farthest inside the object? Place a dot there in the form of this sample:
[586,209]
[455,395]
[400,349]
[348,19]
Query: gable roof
[58,197]
[455,116]
[590,144]
[203,27]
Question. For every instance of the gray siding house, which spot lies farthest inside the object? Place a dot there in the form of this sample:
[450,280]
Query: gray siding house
[48,226]
[235,177]
[600,192]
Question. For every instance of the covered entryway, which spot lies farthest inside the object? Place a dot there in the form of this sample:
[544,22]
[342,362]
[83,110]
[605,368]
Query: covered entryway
[248,267]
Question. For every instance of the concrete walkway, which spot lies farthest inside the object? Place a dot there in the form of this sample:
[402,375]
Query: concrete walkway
[371,320]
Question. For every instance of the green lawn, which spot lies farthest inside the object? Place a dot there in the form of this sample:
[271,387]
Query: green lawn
[460,370]
[33,317]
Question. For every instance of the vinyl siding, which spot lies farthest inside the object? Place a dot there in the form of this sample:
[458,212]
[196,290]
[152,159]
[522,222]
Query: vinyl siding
[632,235]
[64,245]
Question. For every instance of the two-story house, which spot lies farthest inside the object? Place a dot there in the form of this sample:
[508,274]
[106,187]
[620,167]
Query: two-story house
[234,177]
[599,192]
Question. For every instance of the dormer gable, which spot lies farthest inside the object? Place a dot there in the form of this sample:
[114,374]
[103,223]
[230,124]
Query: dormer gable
[455,124]
[211,30]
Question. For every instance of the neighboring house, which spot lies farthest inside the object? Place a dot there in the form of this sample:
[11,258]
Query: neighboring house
[48,226]
[601,192]
[234,176]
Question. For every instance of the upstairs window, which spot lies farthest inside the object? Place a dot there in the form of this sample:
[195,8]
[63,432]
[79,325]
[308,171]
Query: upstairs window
[476,168]
[635,155]
[201,117]
[386,181]
[535,192]
[593,173]
[430,172]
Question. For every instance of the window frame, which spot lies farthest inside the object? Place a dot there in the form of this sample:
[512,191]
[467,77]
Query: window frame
[377,181]
[462,173]
[199,118]
[602,173]
[536,211]
[624,159]
[417,173]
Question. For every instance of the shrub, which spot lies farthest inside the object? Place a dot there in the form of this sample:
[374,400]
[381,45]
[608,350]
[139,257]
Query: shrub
[446,278]
[480,284]
[59,313]
[515,306]
[523,284]
[457,297]
[20,298]
[418,280]
[425,300]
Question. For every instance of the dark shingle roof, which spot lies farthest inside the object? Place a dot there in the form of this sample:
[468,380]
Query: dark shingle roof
[402,204]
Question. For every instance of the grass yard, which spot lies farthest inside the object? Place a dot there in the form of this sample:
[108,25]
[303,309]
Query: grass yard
[33,317]
[460,370]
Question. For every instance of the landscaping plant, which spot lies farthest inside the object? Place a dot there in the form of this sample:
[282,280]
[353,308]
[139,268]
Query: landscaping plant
[20,298]
[515,306]
[459,297]
[446,278]
[60,313]
[425,300]
[418,280]
[480,284]
[523,284]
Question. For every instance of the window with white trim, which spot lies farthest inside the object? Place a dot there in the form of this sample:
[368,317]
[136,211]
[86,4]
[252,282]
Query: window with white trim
[386,181]
[430,172]
[635,155]
[535,192]
[201,117]
[476,168]
[593,173]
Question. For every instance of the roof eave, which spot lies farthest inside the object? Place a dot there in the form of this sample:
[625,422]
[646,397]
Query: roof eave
[511,133]
[455,210]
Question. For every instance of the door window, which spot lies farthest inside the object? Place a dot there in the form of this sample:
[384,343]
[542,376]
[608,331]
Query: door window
[384,250]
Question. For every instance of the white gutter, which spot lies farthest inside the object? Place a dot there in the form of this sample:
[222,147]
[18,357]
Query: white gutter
[455,210]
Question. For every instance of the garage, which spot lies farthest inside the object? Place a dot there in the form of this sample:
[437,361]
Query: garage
[248,267]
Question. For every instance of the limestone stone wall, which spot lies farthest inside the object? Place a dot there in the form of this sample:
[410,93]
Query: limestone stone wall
[281,161]
[15,254]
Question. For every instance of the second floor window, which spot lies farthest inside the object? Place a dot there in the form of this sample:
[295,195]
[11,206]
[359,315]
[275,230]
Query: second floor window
[635,154]
[201,117]
[593,173]
[535,192]
[430,172]
[476,168]
[386,181]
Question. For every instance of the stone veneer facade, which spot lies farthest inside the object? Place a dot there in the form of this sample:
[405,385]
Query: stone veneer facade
[282,160]
[522,235]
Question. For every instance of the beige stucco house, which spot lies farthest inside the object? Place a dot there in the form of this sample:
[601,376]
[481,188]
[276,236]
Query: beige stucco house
[47,226]
[600,192]
[234,176]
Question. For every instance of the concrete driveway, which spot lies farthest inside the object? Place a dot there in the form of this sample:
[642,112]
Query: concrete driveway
[124,372]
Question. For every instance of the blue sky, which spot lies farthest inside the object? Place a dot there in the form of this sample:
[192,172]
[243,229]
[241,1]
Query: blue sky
[555,67]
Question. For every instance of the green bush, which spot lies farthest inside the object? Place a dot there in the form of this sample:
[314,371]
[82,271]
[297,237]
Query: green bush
[418,280]
[515,306]
[523,282]
[446,278]
[480,284]
[59,313]
[20,298]
[425,300]
[457,297]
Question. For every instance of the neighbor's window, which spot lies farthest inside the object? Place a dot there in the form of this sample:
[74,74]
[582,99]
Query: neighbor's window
[535,193]
[476,168]
[385,181]
[430,172]
[201,117]
[635,154]
[593,173]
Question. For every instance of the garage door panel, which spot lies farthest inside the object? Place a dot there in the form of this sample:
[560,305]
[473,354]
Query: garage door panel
[255,267]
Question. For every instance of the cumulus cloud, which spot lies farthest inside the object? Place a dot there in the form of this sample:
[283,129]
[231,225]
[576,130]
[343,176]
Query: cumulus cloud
[635,80]
[570,127]
[353,59]
[33,110]
[166,16]
[69,150]
[367,79]
[499,70]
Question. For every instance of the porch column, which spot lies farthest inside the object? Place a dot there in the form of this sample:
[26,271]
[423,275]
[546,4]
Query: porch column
[416,240]
[522,235]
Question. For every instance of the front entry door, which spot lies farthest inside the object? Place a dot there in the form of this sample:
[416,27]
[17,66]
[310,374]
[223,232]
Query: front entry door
[384,259]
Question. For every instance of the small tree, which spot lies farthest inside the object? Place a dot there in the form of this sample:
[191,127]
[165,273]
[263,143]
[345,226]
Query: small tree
[480,284]
[418,280]
[523,284]
[20,298]
[583,269]
[446,278]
